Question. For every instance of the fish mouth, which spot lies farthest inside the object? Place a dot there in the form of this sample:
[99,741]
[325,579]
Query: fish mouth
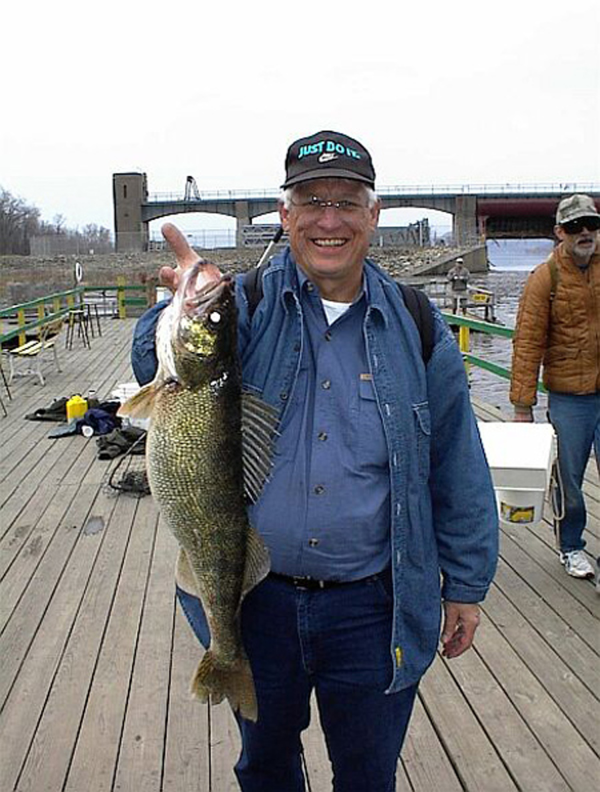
[197,302]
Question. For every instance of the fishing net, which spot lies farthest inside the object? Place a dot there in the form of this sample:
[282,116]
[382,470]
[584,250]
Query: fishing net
[129,475]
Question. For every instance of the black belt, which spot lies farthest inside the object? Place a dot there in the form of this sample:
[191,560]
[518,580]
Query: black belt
[312,584]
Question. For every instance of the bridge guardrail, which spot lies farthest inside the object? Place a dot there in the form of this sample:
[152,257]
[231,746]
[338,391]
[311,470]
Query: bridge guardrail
[548,188]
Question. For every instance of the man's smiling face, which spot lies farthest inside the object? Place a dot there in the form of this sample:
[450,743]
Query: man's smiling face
[330,224]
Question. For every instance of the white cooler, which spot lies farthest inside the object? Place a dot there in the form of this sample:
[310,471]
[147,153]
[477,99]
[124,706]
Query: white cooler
[520,456]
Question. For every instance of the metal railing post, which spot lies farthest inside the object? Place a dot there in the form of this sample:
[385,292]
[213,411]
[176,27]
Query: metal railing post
[21,323]
[41,313]
[464,341]
[121,297]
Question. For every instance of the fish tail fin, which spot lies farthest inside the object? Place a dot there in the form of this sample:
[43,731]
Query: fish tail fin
[233,682]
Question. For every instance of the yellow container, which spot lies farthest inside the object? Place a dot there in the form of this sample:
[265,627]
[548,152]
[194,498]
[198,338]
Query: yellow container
[76,407]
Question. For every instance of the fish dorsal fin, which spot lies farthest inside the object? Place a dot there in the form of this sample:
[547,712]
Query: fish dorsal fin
[140,404]
[259,430]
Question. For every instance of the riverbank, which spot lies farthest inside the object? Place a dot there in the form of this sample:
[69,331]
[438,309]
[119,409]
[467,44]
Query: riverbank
[25,278]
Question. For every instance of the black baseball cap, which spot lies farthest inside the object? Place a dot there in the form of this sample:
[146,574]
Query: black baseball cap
[328,155]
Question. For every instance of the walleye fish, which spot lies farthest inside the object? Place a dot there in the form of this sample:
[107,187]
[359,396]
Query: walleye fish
[208,449]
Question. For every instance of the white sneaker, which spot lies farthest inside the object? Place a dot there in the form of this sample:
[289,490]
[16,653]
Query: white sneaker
[576,564]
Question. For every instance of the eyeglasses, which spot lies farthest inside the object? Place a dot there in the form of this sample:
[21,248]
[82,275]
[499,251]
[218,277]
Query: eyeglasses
[577,226]
[316,205]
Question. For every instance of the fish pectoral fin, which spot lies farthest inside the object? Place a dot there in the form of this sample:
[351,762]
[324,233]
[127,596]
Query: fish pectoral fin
[258,562]
[140,405]
[233,682]
[259,432]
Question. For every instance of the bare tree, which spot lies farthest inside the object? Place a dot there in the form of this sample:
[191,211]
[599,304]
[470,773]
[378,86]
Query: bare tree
[18,223]
[59,222]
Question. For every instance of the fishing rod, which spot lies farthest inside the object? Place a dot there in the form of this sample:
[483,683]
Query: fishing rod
[277,236]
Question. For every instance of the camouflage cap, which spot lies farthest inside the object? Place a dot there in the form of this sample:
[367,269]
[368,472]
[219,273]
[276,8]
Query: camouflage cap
[574,207]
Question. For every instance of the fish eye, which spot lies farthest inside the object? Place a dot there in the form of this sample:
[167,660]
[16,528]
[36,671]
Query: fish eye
[215,317]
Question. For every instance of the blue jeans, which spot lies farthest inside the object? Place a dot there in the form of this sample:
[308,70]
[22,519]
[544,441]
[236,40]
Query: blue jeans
[336,642]
[576,421]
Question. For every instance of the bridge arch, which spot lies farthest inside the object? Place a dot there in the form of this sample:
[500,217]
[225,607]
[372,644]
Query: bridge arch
[477,211]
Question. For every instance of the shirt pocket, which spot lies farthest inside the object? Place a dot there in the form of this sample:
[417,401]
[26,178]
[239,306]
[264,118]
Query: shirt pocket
[371,436]
[422,420]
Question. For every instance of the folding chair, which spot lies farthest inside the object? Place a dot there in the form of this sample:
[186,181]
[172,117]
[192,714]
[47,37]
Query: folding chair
[27,358]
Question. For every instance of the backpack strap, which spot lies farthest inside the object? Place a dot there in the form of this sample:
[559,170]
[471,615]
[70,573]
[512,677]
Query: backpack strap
[253,286]
[416,301]
[419,308]
[553,277]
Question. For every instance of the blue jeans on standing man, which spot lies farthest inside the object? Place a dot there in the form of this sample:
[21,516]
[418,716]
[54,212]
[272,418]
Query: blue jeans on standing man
[335,641]
[576,421]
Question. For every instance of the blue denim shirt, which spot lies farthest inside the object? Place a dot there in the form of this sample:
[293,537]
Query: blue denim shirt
[443,509]
[325,510]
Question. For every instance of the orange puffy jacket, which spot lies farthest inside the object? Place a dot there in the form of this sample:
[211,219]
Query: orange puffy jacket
[563,333]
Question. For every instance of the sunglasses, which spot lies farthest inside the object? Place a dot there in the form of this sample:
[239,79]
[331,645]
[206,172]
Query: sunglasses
[577,226]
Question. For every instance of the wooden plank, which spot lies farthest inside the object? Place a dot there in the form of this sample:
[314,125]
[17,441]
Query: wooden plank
[20,517]
[402,782]
[532,604]
[498,718]
[80,373]
[28,561]
[97,744]
[536,543]
[225,745]
[472,754]
[140,760]
[33,455]
[575,700]
[31,610]
[423,757]
[316,759]
[567,748]
[521,753]
[187,745]
[52,747]
[45,644]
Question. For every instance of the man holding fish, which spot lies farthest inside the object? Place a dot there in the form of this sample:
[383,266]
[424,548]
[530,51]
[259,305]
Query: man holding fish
[369,508]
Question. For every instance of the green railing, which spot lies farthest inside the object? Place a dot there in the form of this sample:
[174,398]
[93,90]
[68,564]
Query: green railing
[465,325]
[17,321]
[62,302]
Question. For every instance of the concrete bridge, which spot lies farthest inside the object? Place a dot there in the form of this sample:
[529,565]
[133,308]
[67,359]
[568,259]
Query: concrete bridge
[478,211]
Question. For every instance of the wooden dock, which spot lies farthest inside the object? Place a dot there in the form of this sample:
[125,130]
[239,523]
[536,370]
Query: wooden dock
[96,659]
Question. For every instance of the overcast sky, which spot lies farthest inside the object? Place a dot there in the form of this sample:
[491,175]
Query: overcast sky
[445,92]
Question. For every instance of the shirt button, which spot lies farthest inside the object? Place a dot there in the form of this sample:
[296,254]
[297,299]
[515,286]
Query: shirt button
[322,436]
[319,489]
[283,395]
[313,542]
[328,336]
[310,287]
[326,384]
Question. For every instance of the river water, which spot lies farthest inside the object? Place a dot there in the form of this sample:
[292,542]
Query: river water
[512,261]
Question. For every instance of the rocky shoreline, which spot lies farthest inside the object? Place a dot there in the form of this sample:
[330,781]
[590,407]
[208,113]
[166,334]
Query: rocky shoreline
[25,278]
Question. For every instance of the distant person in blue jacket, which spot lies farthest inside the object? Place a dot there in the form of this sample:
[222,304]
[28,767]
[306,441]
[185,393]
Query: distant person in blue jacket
[379,512]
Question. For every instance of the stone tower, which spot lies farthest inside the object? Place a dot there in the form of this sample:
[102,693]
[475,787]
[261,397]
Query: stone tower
[130,191]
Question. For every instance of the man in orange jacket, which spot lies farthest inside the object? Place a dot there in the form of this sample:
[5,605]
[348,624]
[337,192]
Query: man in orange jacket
[558,325]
